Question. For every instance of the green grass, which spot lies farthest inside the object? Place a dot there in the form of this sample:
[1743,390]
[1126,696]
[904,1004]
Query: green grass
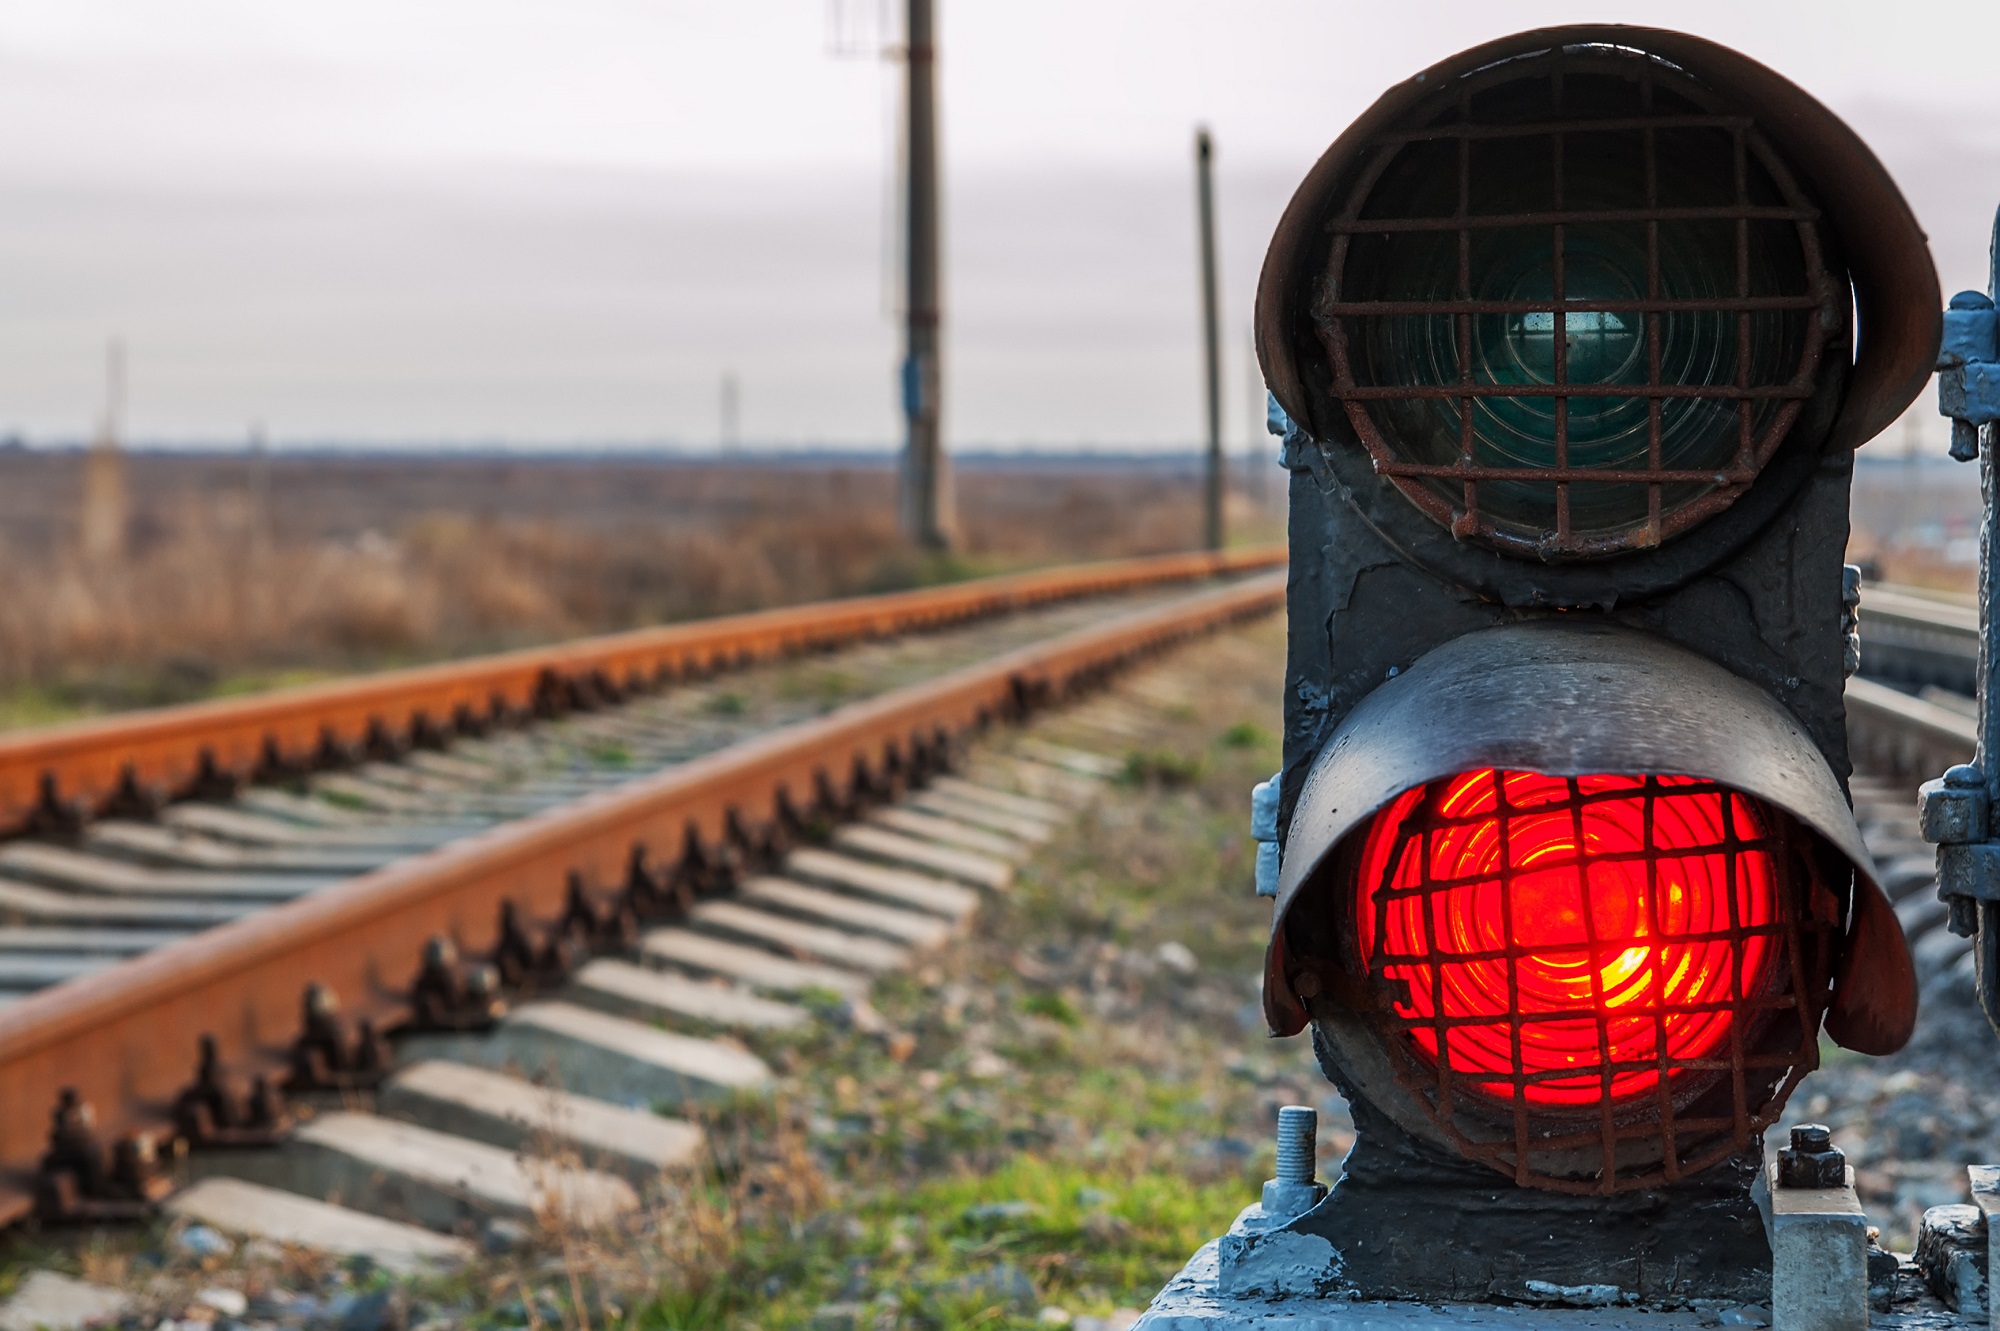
[611,754]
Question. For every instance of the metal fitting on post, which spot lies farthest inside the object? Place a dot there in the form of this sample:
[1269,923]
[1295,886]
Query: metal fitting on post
[1850,619]
[1296,1189]
[1951,809]
[1264,830]
[1812,1160]
[1969,370]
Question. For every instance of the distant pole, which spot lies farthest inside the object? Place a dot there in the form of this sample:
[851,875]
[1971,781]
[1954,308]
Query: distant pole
[104,503]
[1204,152]
[926,483]
[731,406]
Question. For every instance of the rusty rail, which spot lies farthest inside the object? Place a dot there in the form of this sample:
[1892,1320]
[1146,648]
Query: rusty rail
[126,1039]
[58,776]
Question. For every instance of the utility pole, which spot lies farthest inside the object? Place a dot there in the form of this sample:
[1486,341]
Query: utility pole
[1205,201]
[926,507]
[104,503]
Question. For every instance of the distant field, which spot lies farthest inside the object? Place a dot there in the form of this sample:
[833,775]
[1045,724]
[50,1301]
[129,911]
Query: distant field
[239,571]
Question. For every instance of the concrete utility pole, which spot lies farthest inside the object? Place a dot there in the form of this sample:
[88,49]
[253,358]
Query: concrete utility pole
[926,506]
[1211,337]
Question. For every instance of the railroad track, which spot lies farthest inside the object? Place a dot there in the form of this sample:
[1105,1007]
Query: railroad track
[214,908]
[248,938]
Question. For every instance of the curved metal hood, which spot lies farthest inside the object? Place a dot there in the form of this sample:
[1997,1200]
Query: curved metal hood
[1896,296]
[1575,696]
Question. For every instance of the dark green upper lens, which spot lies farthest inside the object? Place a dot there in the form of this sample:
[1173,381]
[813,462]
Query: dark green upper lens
[1595,180]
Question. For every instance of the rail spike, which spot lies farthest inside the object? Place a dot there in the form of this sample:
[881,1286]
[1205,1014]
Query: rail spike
[80,1181]
[613,926]
[654,895]
[524,963]
[449,996]
[214,1112]
[328,1056]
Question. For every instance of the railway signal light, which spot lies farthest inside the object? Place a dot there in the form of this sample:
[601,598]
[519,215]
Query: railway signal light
[1572,338]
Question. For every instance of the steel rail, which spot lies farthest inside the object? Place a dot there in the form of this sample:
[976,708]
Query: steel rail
[61,775]
[126,1038]
[1888,730]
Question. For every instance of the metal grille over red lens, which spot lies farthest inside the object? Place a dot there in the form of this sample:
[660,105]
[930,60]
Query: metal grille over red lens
[1548,951]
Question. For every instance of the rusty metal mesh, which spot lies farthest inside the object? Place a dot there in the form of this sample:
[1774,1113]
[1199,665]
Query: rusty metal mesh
[1698,1110]
[1456,486]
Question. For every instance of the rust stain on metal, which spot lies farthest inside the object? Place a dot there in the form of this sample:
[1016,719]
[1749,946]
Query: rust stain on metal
[129,1039]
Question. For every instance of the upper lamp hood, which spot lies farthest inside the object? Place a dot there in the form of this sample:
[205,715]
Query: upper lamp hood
[1896,298]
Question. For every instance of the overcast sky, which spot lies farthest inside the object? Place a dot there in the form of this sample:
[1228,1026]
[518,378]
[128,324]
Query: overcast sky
[545,223]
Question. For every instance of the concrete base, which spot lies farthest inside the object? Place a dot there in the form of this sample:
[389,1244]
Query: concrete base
[504,1111]
[592,1053]
[1193,1301]
[248,1209]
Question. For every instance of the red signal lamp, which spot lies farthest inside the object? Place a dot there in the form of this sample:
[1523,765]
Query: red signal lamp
[1571,901]
[1572,941]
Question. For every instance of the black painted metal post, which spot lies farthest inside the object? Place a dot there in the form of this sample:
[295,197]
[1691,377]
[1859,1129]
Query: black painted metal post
[1957,810]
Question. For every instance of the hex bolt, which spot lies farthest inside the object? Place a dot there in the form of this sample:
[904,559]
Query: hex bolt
[1295,1190]
[1298,1145]
[1812,1160]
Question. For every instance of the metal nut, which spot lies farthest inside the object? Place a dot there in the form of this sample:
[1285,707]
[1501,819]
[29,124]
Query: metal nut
[1812,1160]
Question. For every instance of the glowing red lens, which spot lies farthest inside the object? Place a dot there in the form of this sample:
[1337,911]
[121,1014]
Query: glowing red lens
[1569,939]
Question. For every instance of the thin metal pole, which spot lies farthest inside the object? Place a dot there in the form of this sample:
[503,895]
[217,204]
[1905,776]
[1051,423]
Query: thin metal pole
[1211,337]
[926,484]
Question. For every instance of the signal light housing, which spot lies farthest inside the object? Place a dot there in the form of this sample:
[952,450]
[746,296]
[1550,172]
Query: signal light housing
[1572,337]
[1600,962]
[1739,282]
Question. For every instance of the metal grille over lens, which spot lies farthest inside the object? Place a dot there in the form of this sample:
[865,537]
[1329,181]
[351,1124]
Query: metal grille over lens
[1601,968]
[1573,306]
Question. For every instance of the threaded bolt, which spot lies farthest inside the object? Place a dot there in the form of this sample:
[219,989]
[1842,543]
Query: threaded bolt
[1811,1137]
[1298,1149]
